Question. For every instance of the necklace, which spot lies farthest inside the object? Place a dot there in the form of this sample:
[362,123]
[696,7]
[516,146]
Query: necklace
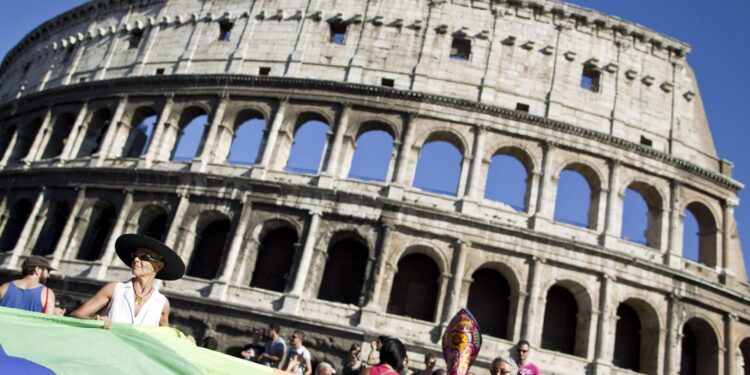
[139,297]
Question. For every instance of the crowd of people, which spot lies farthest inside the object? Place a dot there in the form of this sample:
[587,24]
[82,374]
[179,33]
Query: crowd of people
[138,301]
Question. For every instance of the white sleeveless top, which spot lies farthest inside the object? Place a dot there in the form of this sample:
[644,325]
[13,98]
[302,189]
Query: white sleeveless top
[121,307]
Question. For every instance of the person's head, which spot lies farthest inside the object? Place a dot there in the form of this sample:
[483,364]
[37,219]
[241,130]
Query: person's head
[503,366]
[257,335]
[297,338]
[393,353]
[148,257]
[38,267]
[273,330]
[381,340]
[210,343]
[522,351]
[146,262]
[354,350]
[324,368]
[430,360]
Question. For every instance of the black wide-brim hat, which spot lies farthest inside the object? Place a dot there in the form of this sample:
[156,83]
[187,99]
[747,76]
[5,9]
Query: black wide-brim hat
[127,244]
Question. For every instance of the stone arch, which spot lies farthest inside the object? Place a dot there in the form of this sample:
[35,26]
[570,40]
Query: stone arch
[425,248]
[593,178]
[490,299]
[707,232]
[212,230]
[567,318]
[152,221]
[699,348]
[191,132]
[142,127]
[416,286]
[278,241]
[425,176]
[18,215]
[56,216]
[97,127]
[59,136]
[655,202]
[247,134]
[380,159]
[101,220]
[515,188]
[25,139]
[445,134]
[345,268]
[376,123]
[316,143]
[637,336]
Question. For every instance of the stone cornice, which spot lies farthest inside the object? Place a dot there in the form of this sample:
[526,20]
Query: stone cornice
[222,82]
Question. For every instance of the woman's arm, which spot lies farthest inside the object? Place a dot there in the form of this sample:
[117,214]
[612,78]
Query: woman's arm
[95,303]
[164,320]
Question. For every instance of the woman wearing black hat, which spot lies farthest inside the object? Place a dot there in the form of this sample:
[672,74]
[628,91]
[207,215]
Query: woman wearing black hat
[136,301]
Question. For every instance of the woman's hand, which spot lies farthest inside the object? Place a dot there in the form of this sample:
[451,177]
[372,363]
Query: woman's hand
[107,321]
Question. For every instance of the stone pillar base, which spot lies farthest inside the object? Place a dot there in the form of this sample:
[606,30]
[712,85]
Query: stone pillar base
[258,173]
[609,241]
[469,206]
[395,192]
[325,181]
[219,290]
[538,223]
[601,368]
[97,270]
[368,318]
[291,304]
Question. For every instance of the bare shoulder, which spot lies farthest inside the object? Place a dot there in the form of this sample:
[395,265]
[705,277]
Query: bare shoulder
[108,289]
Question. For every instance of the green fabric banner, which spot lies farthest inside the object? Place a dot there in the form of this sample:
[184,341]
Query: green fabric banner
[72,346]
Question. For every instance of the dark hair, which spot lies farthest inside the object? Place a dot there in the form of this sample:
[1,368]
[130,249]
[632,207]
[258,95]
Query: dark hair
[393,353]
[384,338]
[439,371]
[354,347]
[300,334]
[29,270]
[67,303]
[523,342]
[430,356]
[275,326]
[210,343]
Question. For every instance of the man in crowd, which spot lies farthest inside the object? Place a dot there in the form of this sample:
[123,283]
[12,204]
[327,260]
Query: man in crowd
[29,292]
[298,357]
[324,368]
[503,366]
[525,367]
[275,347]
[429,364]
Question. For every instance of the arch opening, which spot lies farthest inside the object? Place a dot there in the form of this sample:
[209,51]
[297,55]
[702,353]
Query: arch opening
[627,339]
[24,140]
[576,197]
[56,217]
[415,288]
[142,129]
[372,156]
[439,168]
[344,273]
[209,250]
[489,301]
[560,321]
[153,222]
[101,222]
[59,136]
[248,137]
[274,262]
[700,348]
[17,218]
[699,235]
[97,128]
[192,126]
[308,146]
[507,181]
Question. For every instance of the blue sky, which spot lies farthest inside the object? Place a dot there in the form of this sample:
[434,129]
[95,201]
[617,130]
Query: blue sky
[716,30]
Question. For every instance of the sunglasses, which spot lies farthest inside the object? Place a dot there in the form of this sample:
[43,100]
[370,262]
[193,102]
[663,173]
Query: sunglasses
[145,257]
[523,351]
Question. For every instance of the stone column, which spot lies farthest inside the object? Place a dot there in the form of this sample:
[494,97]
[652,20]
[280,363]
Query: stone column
[612,226]
[458,270]
[730,335]
[174,226]
[23,238]
[105,151]
[291,300]
[219,287]
[77,134]
[37,147]
[68,230]
[208,151]
[332,167]
[673,257]
[100,267]
[9,150]
[727,228]
[401,174]
[441,298]
[605,336]
[474,188]
[158,137]
[545,204]
[259,171]
[530,319]
[372,306]
[673,347]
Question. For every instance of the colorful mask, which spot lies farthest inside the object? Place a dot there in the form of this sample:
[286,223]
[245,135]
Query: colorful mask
[461,343]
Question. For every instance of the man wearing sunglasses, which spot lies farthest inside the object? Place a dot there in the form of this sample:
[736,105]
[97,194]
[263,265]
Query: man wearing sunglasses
[136,301]
[28,292]
[525,367]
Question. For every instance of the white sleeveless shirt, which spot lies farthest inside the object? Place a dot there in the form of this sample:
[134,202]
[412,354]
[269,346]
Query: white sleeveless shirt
[121,308]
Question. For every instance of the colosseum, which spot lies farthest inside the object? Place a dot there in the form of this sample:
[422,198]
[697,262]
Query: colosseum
[180,119]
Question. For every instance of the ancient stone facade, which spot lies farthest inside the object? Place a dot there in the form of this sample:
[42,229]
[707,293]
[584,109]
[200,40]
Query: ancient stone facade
[96,102]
